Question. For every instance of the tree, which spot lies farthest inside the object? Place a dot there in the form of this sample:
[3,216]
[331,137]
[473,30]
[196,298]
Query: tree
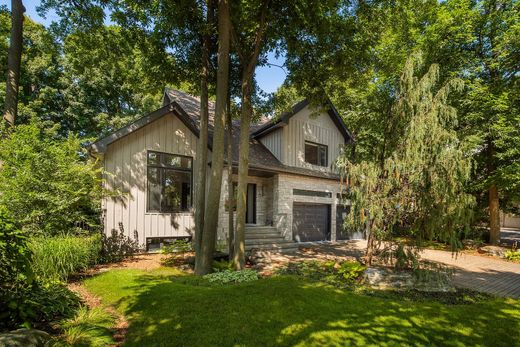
[13,63]
[46,183]
[248,41]
[204,258]
[492,113]
[420,186]
[202,148]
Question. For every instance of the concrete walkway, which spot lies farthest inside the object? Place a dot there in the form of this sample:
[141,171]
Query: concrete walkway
[485,274]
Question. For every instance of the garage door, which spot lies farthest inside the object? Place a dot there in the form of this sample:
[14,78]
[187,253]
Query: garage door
[311,222]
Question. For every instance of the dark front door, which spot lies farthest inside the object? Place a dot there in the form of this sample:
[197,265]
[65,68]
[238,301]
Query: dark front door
[251,204]
[311,222]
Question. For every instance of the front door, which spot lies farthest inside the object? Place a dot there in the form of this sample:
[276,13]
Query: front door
[251,204]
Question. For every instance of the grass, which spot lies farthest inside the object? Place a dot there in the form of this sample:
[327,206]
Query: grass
[89,327]
[56,258]
[165,307]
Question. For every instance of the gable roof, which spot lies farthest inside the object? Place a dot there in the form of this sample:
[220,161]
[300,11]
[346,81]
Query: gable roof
[187,108]
[283,120]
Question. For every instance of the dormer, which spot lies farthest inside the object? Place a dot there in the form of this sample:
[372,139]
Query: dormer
[306,137]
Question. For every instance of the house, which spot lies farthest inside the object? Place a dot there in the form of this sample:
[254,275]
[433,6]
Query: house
[293,189]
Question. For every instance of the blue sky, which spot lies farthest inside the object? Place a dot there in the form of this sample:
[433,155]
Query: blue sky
[269,78]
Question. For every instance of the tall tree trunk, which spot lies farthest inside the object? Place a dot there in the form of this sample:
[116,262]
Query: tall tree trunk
[243,167]
[369,254]
[494,215]
[231,190]
[202,148]
[494,206]
[13,61]
[204,257]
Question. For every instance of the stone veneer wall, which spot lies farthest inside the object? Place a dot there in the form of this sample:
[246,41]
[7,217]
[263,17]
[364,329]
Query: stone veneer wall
[283,198]
[264,203]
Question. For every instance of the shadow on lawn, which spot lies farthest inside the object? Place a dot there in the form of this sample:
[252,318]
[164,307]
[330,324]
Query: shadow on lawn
[184,310]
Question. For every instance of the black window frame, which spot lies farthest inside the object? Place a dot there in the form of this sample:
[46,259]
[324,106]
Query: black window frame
[315,193]
[161,167]
[318,146]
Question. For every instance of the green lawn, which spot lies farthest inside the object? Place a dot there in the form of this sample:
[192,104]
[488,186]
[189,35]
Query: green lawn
[167,308]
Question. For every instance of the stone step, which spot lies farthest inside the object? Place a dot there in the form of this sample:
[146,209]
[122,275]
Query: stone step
[273,240]
[259,235]
[260,228]
[267,253]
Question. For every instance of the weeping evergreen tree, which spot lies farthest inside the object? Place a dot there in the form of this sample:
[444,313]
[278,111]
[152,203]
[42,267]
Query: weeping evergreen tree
[419,186]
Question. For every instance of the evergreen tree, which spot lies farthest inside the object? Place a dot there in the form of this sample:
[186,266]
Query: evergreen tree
[420,186]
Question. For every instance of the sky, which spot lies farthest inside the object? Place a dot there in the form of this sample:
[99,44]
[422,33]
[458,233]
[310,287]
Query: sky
[269,78]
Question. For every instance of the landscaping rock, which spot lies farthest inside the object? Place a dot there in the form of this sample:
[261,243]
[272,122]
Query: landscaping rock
[495,251]
[382,278]
[24,338]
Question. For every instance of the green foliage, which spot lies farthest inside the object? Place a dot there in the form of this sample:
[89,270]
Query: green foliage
[222,265]
[56,258]
[15,255]
[178,246]
[117,246]
[230,276]
[421,184]
[339,274]
[513,255]
[88,327]
[48,184]
[37,304]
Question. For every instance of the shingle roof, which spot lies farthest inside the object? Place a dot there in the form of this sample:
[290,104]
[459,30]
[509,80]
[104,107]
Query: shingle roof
[187,108]
[259,156]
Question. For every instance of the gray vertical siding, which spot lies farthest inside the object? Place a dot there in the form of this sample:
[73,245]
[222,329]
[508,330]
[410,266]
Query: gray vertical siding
[316,128]
[274,143]
[125,164]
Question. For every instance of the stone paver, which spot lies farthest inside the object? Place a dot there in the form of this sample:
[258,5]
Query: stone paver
[486,274]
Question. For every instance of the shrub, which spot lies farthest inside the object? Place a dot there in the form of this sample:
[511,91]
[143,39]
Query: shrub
[512,255]
[222,265]
[48,182]
[56,258]
[228,276]
[339,274]
[178,246]
[37,304]
[117,246]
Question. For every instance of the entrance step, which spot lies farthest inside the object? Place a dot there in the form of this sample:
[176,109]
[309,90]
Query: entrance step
[267,239]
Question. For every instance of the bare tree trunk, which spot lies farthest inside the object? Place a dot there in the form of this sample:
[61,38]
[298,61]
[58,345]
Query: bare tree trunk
[243,167]
[13,61]
[231,190]
[494,216]
[369,254]
[202,148]
[204,257]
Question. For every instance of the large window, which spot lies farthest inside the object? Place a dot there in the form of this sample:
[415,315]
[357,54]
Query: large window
[169,182]
[315,153]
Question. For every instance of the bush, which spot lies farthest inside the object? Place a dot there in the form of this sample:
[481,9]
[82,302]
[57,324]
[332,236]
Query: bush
[178,246]
[117,246]
[38,305]
[228,276]
[48,182]
[56,258]
[222,265]
[513,255]
[339,274]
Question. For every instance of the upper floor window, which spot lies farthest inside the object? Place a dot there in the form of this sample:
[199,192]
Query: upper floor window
[169,182]
[316,154]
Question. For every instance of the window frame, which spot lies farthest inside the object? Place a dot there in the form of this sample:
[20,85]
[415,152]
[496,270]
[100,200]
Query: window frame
[161,167]
[318,146]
